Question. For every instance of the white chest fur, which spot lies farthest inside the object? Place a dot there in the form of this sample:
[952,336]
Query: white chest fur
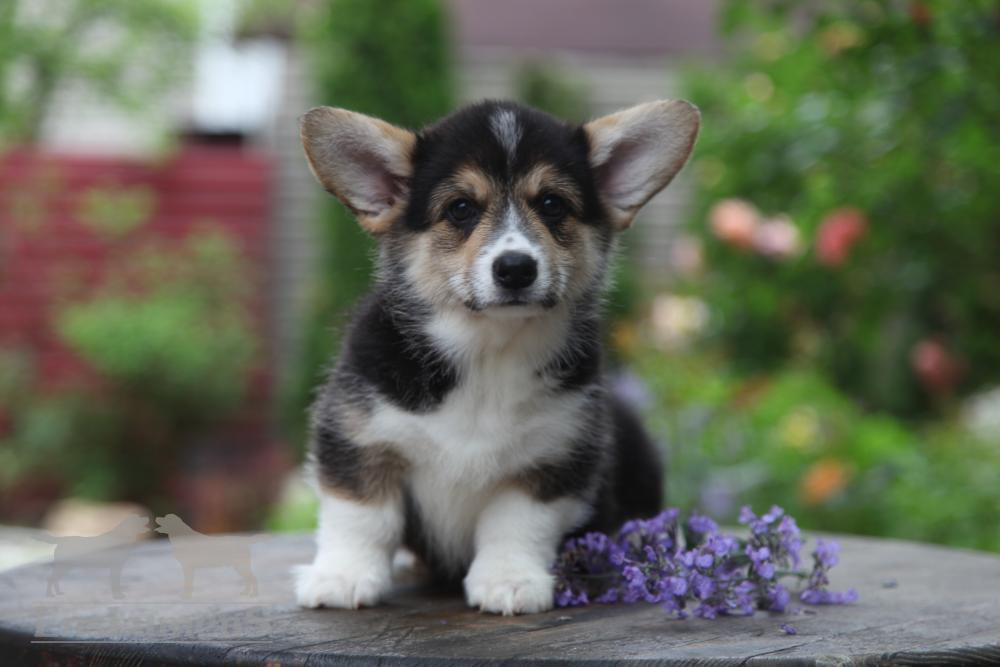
[501,418]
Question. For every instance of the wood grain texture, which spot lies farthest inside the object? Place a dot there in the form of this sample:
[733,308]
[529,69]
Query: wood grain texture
[920,605]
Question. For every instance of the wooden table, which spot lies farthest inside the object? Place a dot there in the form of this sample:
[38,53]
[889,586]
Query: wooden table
[919,605]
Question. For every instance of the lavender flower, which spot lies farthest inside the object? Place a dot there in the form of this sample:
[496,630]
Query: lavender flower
[587,568]
[827,553]
[716,573]
[775,598]
[790,539]
[698,523]
[825,556]
[819,596]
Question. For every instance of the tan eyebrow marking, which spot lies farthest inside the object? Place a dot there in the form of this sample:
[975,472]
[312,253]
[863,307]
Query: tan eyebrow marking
[546,178]
[468,181]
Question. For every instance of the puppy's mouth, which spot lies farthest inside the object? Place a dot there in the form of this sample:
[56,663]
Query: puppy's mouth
[513,304]
[507,302]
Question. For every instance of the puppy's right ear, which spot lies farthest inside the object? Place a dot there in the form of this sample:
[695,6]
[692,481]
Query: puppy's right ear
[363,161]
[635,153]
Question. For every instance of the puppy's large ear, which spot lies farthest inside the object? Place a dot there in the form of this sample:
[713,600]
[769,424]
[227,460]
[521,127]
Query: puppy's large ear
[365,162]
[634,153]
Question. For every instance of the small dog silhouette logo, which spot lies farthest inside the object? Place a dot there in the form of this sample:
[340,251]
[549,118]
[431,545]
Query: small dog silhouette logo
[109,550]
[194,550]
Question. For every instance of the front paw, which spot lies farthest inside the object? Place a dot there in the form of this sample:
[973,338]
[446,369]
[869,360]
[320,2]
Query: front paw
[509,587]
[343,584]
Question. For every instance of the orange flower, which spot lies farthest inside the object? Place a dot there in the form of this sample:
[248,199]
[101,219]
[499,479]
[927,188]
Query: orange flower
[625,338]
[920,14]
[824,479]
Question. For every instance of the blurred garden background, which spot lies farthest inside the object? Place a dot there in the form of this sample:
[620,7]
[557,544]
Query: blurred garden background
[809,316]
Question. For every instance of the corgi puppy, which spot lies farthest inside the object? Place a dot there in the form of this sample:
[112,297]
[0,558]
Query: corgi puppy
[466,416]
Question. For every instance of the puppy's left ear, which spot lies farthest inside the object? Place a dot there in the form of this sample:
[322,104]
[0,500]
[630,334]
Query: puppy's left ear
[635,153]
[363,161]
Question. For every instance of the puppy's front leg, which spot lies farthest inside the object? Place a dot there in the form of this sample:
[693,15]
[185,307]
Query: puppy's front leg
[355,544]
[516,540]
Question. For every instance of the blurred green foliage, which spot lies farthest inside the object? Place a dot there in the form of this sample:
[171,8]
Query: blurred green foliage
[544,85]
[122,50]
[846,202]
[391,60]
[170,333]
[873,125]
[171,327]
[116,211]
[795,440]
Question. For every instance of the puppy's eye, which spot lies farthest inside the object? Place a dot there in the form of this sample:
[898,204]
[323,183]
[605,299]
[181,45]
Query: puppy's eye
[461,212]
[552,206]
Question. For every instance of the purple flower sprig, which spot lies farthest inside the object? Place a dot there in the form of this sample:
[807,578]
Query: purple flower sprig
[698,570]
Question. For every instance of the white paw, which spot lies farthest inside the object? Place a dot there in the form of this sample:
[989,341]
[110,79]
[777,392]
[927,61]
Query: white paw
[338,584]
[509,587]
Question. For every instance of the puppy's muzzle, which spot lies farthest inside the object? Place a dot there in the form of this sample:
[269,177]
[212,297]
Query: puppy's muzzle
[515,270]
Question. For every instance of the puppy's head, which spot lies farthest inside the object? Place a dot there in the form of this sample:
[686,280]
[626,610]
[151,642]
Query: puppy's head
[499,208]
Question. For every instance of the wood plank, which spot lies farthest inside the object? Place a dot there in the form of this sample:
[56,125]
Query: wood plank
[944,608]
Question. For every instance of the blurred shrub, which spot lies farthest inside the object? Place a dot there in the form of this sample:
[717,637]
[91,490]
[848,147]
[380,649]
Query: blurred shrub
[115,212]
[545,86]
[125,51]
[795,440]
[387,59]
[171,328]
[170,334]
[860,143]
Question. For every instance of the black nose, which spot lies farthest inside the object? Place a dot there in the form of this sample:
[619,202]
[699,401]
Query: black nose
[515,270]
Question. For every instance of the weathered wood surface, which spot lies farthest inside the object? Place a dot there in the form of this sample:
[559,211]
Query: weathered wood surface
[919,605]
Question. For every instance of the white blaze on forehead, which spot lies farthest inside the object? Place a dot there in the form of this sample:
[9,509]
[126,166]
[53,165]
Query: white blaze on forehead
[507,131]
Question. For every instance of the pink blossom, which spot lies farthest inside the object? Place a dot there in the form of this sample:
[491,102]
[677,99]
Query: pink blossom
[840,230]
[734,221]
[686,256]
[777,238]
[938,370]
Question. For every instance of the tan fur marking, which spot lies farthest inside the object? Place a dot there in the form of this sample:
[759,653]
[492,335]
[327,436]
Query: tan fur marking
[445,253]
[468,182]
[462,251]
[565,258]
[379,476]
[446,250]
[546,178]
